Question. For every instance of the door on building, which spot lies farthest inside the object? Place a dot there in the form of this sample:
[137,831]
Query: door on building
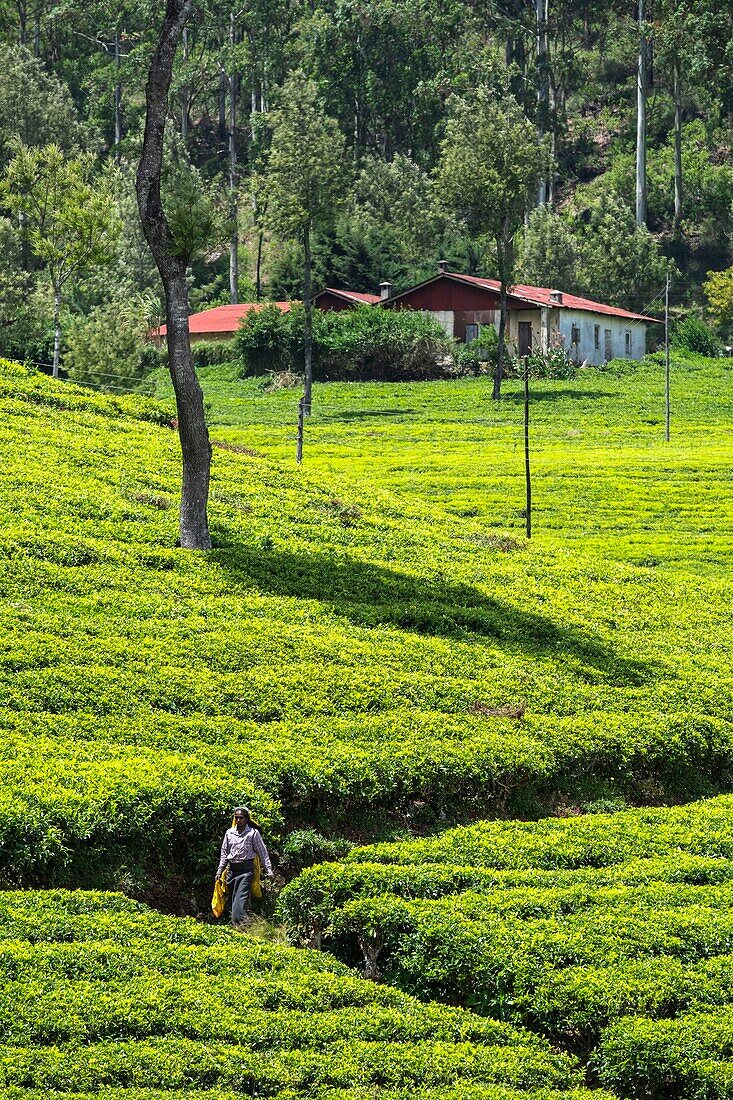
[607,349]
[525,338]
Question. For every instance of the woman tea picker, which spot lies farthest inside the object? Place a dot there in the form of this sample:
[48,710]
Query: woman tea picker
[240,846]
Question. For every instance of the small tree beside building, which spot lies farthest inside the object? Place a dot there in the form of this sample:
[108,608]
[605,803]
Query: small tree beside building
[305,177]
[491,161]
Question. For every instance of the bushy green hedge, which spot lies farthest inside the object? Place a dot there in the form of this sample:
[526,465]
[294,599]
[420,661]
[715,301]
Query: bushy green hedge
[352,345]
[132,673]
[566,926]
[135,1002]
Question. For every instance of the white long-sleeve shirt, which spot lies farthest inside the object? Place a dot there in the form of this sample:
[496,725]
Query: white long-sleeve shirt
[237,847]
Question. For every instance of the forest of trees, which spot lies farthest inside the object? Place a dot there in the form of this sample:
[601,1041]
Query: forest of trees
[631,104]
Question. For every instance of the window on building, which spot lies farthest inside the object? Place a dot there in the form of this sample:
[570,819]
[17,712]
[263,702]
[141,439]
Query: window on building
[471,333]
[628,342]
[575,335]
[596,336]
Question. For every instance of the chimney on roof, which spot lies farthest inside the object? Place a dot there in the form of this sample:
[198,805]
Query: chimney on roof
[555,297]
[442,266]
[385,291]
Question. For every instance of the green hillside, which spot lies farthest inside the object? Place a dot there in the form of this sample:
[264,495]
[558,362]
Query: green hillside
[605,481]
[101,995]
[611,935]
[347,656]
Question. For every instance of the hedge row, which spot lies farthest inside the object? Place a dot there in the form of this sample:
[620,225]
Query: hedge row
[567,926]
[146,689]
[100,993]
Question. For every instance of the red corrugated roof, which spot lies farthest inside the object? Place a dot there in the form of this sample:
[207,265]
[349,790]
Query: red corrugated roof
[221,318]
[352,295]
[540,295]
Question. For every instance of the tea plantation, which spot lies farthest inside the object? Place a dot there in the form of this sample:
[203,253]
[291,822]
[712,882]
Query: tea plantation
[346,657]
[372,650]
[100,994]
[611,935]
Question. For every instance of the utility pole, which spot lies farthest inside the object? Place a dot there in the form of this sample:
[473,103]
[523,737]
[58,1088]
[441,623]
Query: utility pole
[301,429]
[527,473]
[666,359]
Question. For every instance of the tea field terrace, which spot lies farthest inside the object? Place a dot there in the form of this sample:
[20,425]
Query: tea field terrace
[609,935]
[347,657]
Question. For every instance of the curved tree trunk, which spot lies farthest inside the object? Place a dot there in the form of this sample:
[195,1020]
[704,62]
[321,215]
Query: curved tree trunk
[192,430]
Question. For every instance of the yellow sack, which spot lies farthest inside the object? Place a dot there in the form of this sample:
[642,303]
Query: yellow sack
[256,887]
[219,900]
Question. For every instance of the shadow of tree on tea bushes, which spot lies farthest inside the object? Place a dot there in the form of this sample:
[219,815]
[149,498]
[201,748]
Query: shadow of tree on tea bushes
[373,595]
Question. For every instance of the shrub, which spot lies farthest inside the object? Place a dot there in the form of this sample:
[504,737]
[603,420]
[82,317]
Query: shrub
[692,334]
[212,353]
[356,345]
[263,342]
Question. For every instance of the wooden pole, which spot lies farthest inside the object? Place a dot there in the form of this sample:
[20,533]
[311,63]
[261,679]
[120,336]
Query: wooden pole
[666,361]
[527,473]
[301,423]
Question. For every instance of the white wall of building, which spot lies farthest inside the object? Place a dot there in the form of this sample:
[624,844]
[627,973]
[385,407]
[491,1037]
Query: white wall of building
[599,335]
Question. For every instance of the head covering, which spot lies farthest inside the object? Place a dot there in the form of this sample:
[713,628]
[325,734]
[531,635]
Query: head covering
[241,810]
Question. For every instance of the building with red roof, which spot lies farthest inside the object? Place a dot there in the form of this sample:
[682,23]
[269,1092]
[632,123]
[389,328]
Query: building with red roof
[332,299]
[537,317]
[219,323]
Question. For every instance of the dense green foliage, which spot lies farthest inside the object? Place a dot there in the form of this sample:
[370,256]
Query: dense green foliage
[570,926]
[102,994]
[363,344]
[345,653]
[384,86]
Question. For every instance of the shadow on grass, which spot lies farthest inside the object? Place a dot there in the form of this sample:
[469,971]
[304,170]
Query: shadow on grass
[556,395]
[372,595]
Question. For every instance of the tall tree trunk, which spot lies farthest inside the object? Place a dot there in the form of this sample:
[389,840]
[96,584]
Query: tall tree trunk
[233,180]
[37,29]
[192,430]
[677,92]
[543,86]
[22,22]
[641,88]
[505,258]
[56,331]
[118,100]
[185,93]
[308,303]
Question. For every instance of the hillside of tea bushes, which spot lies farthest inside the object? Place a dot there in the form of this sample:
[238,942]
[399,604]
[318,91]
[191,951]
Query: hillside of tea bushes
[101,995]
[346,657]
[611,935]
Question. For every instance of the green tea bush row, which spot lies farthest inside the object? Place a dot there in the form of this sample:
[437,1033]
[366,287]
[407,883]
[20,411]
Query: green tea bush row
[136,1001]
[688,1058]
[568,926]
[136,678]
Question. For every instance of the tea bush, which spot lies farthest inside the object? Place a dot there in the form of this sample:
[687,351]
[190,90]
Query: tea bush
[592,931]
[100,993]
[344,659]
